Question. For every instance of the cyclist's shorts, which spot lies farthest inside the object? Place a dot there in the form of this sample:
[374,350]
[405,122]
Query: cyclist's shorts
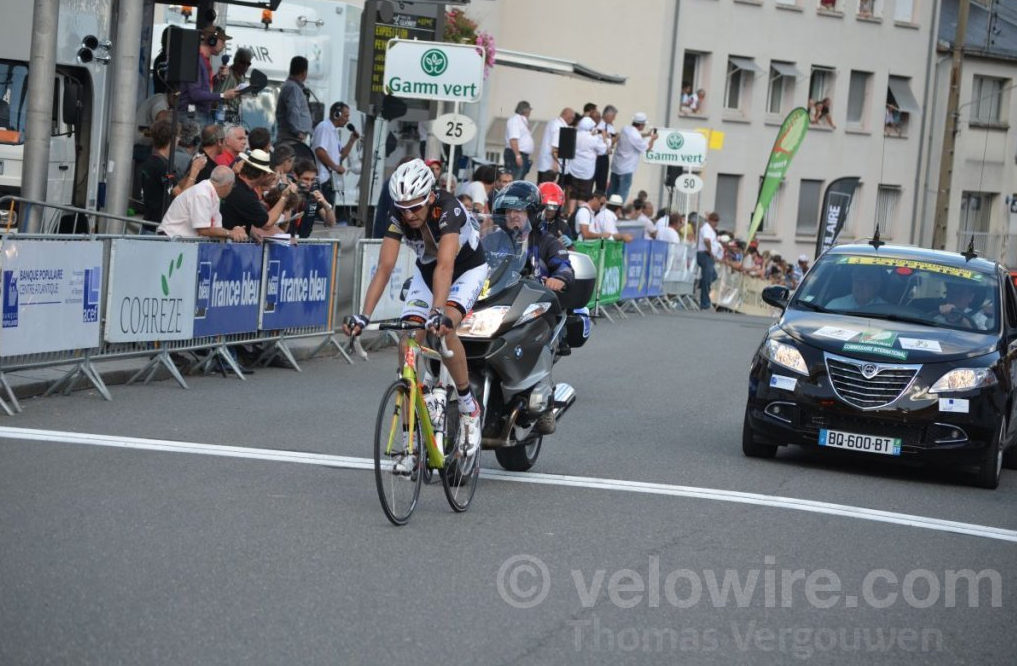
[462,295]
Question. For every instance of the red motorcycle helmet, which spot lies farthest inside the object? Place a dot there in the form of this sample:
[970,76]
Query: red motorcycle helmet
[551,195]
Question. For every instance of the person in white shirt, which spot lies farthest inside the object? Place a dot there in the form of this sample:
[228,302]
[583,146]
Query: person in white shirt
[645,218]
[705,248]
[589,144]
[519,141]
[668,232]
[328,148]
[548,164]
[195,213]
[610,134]
[605,219]
[632,143]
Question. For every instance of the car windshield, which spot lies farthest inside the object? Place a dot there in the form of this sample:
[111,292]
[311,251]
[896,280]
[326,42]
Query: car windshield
[884,287]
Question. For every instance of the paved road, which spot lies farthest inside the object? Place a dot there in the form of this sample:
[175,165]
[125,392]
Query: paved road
[129,555]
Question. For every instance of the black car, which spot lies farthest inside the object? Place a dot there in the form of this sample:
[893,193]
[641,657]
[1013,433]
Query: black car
[891,351]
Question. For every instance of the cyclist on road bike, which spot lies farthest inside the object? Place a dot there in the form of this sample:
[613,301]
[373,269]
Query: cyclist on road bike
[450,272]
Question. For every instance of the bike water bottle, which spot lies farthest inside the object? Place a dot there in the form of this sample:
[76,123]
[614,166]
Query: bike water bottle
[435,401]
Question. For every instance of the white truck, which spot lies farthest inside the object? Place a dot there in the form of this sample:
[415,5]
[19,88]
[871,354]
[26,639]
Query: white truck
[77,165]
[324,32]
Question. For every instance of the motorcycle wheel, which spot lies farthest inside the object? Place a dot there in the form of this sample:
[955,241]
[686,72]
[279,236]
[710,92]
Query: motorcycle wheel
[521,457]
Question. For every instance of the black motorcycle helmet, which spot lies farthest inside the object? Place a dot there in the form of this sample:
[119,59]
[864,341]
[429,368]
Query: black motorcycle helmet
[518,195]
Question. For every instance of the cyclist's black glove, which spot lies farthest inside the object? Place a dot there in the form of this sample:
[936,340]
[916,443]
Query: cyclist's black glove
[357,323]
[438,319]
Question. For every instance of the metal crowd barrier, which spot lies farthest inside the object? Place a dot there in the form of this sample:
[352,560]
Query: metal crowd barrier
[57,310]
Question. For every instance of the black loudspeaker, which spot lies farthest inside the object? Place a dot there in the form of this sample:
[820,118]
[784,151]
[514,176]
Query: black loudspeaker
[671,174]
[567,143]
[182,55]
[392,108]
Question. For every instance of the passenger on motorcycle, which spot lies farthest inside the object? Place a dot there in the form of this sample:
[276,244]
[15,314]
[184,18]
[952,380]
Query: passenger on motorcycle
[450,272]
[552,198]
[518,209]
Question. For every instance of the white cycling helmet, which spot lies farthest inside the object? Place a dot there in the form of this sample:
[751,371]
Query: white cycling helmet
[411,181]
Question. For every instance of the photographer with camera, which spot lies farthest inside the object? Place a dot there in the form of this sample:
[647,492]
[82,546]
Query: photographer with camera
[632,143]
[316,205]
[329,150]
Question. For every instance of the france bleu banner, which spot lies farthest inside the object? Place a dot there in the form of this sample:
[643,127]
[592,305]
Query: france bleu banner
[296,285]
[228,292]
[637,256]
[658,264]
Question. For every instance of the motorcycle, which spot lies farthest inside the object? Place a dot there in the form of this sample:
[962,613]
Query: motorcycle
[513,337]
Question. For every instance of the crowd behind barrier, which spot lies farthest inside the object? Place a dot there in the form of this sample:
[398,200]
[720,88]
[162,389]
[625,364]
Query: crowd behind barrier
[78,300]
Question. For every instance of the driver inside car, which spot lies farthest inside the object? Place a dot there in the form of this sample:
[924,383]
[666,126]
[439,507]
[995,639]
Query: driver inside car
[957,307]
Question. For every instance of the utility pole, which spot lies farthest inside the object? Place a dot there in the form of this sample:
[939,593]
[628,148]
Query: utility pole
[40,107]
[950,133]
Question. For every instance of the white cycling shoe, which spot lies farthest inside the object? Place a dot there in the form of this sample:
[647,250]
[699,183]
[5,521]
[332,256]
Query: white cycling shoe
[469,433]
[404,463]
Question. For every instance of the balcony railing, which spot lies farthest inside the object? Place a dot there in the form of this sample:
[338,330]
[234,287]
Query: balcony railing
[998,246]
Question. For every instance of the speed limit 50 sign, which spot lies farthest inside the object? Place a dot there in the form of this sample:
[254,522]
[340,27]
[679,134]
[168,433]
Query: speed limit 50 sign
[688,183]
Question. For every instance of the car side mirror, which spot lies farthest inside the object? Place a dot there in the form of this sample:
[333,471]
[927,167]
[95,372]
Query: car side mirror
[777,296]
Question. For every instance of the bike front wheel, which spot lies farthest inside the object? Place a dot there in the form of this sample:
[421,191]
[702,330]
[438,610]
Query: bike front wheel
[398,461]
[459,475]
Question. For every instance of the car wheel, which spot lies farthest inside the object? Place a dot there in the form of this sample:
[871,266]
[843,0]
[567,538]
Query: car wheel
[991,466]
[751,447]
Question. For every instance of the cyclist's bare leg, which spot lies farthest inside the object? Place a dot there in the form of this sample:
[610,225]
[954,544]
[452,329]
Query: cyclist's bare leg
[457,364]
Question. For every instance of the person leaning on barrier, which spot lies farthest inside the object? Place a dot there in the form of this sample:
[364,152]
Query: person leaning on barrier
[195,213]
[242,208]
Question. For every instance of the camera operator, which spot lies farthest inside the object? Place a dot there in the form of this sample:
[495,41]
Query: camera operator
[316,206]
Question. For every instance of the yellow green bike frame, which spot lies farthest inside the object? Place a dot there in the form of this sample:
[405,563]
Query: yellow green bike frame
[435,455]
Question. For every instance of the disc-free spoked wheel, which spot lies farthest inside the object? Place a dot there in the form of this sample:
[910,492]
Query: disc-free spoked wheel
[398,491]
[459,475]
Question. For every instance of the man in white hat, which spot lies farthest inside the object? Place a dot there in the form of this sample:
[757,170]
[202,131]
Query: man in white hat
[800,269]
[243,208]
[632,143]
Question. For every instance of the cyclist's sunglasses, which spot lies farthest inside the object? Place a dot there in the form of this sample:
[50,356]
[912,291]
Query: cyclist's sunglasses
[414,208]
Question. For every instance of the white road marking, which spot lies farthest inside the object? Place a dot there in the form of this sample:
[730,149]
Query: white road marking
[349,462]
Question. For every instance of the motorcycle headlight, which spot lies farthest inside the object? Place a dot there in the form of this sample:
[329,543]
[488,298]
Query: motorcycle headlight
[964,379]
[483,323]
[786,356]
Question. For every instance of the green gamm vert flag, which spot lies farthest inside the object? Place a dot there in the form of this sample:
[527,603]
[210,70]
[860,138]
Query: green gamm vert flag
[792,133]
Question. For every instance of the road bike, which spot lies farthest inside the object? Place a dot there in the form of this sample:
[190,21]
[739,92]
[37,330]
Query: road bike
[418,407]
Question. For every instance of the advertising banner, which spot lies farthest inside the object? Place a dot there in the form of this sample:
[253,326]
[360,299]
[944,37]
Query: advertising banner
[658,264]
[789,139]
[836,204]
[677,148]
[228,292]
[637,256]
[151,291]
[613,273]
[51,294]
[434,70]
[297,284]
[595,251]
[389,306]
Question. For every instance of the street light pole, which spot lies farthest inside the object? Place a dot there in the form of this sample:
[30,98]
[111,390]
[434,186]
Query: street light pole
[950,133]
[38,128]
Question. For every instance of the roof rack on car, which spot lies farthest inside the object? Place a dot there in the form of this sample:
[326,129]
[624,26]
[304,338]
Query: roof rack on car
[970,253]
[876,241]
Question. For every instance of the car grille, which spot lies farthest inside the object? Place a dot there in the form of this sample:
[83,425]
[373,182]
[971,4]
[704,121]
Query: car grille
[868,385]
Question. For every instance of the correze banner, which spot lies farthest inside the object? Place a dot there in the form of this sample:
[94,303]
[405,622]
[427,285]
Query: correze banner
[228,290]
[296,285]
[836,204]
[789,139]
[51,295]
[637,255]
[151,292]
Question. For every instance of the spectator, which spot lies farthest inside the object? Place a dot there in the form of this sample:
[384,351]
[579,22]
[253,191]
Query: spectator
[292,112]
[892,121]
[448,182]
[435,167]
[645,218]
[328,147]
[199,94]
[317,205]
[151,110]
[865,8]
[800,269]
[159,66]
[188,140]
[281,162]
[821,112]
[828,5]
[292,213]
[260,139]
[481,187]
[234,77]
[610,135]
[699,103]
[504,179]
[632,142]
[669,232]
[243,208]
[548,164]
[589,144]
[195,213]
[752,263]
[688,99]
[159,181]
[234,144]
[519,141]
[212,138]
[705,249]
[605,221]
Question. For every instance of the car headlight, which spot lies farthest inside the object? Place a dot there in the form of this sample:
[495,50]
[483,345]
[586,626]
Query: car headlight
[483,323]
[786,356]
[964,379]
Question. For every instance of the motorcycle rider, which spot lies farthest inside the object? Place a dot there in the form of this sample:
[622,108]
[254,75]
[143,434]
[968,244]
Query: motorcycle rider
[552,198]
[449,274]
[519,210]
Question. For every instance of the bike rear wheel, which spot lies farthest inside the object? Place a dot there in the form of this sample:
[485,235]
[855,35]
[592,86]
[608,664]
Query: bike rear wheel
[458,476]
[398,491]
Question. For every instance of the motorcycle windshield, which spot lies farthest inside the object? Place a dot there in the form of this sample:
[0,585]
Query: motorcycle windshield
[505,259]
